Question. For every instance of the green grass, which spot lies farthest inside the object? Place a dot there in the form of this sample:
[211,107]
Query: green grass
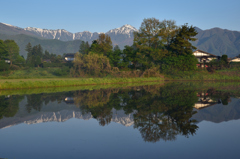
[44,77]
[204,75]
[73,88]
[58,82]
[29,73]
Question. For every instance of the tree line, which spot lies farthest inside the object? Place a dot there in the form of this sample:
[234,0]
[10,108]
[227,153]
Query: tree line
[157,44]
[36,57]
[158,47]
[9,55]
[10,58]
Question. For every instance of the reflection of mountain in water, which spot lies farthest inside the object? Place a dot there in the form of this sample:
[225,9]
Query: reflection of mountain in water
[208,108]
[58,112]
[204,100]
[159,113]
[219,112]
[120,117]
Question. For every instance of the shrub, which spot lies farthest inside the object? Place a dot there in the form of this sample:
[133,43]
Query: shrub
[62,71]
[14,67]
[4,66]
[182,63]
[90,64]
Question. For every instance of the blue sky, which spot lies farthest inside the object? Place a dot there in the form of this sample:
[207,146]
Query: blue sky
[103,15]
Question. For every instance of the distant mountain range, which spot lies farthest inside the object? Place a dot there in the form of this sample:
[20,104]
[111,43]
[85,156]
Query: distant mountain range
[216,41]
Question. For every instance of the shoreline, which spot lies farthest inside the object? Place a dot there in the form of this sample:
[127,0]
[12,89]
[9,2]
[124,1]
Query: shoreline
[16,84]
[13,84]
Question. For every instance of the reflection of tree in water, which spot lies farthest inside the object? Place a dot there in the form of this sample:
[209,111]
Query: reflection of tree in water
[219,95]
[162,112]
[166,114]
[97,102]
[9,105]
[36,101]
[154,127]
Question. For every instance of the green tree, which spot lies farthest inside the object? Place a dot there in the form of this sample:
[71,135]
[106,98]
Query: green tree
[94,46]
[130,56]
[35,55]
[28,48]
[4,66]
[37,61]
[150,40]
[181,43]
[46,55]
[224,59]
[168,31]
[91,64]
[114,56]
[3,50]
[84,48]
[13,50]
[105,43]
[19,60]
[181,63]
[102,45]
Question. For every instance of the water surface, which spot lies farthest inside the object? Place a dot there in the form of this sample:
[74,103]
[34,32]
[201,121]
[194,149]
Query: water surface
[174,120]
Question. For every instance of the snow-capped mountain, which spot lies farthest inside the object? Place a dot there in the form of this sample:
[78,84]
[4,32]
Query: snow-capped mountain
[86,36]
[208,40]
[59,34]
[8,29]
[124,32]
[120,36]
[125,29]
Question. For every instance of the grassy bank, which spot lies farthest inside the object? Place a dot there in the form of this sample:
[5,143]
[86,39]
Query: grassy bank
[204,75]
[74,88]
[45,77]
[30,73]
[233,87]
[59,82]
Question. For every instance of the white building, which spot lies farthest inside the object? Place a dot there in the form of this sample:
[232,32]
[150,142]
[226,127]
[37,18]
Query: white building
[204,57]
[236,59]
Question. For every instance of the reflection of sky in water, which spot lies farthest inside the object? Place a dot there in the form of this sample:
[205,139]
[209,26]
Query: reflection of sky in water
[61,130]
[86,139]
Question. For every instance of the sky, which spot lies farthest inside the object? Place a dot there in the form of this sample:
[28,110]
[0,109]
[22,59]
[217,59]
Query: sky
[103,15]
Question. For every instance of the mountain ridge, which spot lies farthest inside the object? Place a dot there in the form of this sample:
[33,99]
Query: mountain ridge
[215,40]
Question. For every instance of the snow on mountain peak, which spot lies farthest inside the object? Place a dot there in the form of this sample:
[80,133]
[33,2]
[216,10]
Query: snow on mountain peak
[11,25]
[44,30]
[8,24]
[33,29]
[129,26]
[125,29]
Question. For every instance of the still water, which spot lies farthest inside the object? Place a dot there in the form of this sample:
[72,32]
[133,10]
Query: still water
[173,120]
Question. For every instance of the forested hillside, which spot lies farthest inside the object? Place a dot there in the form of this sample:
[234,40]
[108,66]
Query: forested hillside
[53,46]
[218,41]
